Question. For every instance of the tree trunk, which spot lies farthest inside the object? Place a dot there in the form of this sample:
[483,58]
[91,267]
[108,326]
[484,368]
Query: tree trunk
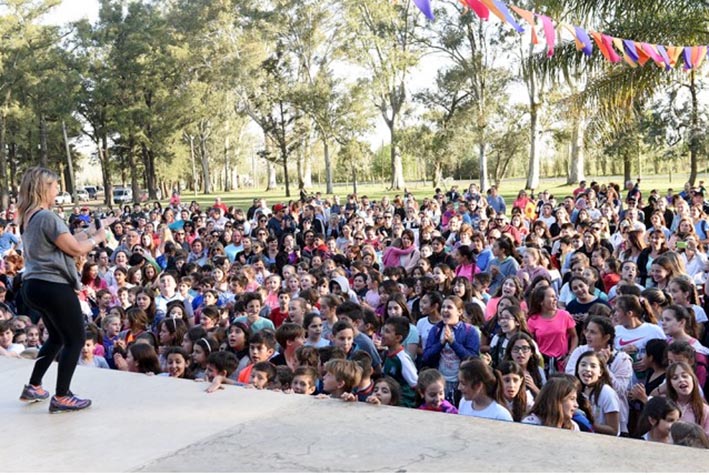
[308,171]
[299,169]
[354,180]
[576,161]
[102,146]
[533,172]
[133,169]
[695,133]
[3,154]
[328,166]
[397,168]
[43,152]
[194,168]
[627,166]
[71,188]
[204,159]
[13,167]
[437,174]
[482,162]
[272,182]
[227,176]
[284,157]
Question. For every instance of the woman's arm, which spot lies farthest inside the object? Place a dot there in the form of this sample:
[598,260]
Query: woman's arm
[68,244]
[573,339]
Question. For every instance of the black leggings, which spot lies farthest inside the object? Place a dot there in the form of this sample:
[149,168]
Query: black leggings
[59,307]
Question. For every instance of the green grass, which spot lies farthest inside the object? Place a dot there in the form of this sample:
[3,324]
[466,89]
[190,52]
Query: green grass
[508,188]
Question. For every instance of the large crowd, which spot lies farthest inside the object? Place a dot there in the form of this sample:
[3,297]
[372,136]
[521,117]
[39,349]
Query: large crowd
[583,312]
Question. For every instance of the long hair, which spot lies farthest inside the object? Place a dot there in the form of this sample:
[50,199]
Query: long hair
[640,308]
[547,405]
[474,371]
[603,380]
[145,357]
[33,191]
[535,362]
[519,402]
[695,399]
[656,408]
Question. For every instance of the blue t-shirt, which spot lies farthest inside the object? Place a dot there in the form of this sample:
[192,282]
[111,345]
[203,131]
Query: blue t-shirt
[7,240]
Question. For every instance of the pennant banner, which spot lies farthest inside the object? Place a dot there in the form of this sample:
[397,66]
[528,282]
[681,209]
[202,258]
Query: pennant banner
[425,7]
[613,49]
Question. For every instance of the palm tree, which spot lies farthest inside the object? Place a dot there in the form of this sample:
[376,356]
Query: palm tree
[612,91]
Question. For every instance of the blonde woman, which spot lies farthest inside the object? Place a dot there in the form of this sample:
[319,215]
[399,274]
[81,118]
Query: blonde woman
[51,283]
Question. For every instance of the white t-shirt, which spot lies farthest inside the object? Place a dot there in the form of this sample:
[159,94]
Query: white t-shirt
[493,411]
[424,326]
[534,420]
[637,336]
[15,348]
[608,402]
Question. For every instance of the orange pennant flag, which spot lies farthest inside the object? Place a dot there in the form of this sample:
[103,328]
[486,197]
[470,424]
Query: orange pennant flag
[493,8]
[529,18]
[601,46]
[643,57]
[673,52]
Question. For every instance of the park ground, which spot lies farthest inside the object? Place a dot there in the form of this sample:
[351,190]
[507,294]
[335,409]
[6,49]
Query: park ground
[508,189]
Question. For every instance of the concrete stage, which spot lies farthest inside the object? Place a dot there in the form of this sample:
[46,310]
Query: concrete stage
[156,424]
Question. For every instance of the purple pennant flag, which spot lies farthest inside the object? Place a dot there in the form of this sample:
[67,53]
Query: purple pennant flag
[665,57]
[583,38]
[630,50]
[425,7]
[508,16]
[687,55]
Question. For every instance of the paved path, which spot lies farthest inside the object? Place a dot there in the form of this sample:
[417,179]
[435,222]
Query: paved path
[156,424]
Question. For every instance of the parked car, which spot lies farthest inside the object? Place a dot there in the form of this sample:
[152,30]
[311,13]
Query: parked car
[82,194]
[63,198]
[122,195]
[95,192]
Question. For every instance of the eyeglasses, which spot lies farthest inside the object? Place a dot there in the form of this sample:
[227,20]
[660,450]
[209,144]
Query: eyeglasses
[521,349]
[359,238]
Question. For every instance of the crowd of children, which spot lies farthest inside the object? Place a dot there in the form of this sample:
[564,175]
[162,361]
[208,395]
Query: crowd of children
[586,313]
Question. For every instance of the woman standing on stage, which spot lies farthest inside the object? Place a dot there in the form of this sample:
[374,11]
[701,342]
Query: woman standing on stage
[50,284]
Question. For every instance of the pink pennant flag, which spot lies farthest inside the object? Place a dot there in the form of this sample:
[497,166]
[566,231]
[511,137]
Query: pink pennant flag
[698,55]
[549,33]
[480,10]
[608,43]
[652,52]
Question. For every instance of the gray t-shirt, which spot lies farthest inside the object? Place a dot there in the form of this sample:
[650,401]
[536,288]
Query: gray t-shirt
[43,259]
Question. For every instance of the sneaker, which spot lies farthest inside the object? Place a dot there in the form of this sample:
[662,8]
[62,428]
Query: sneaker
[68,404]
[32,393]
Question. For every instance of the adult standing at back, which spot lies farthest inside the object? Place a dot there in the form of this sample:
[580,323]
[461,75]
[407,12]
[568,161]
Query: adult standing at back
[51,283]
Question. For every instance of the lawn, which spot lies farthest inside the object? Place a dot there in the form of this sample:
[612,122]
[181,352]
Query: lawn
[508,188]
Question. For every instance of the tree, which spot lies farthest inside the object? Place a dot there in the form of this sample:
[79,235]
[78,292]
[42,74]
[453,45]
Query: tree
[23,39]
[383,38]
[609,87]
[474,47]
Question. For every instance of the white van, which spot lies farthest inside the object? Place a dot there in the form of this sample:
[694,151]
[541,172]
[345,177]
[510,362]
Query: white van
[122,195]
